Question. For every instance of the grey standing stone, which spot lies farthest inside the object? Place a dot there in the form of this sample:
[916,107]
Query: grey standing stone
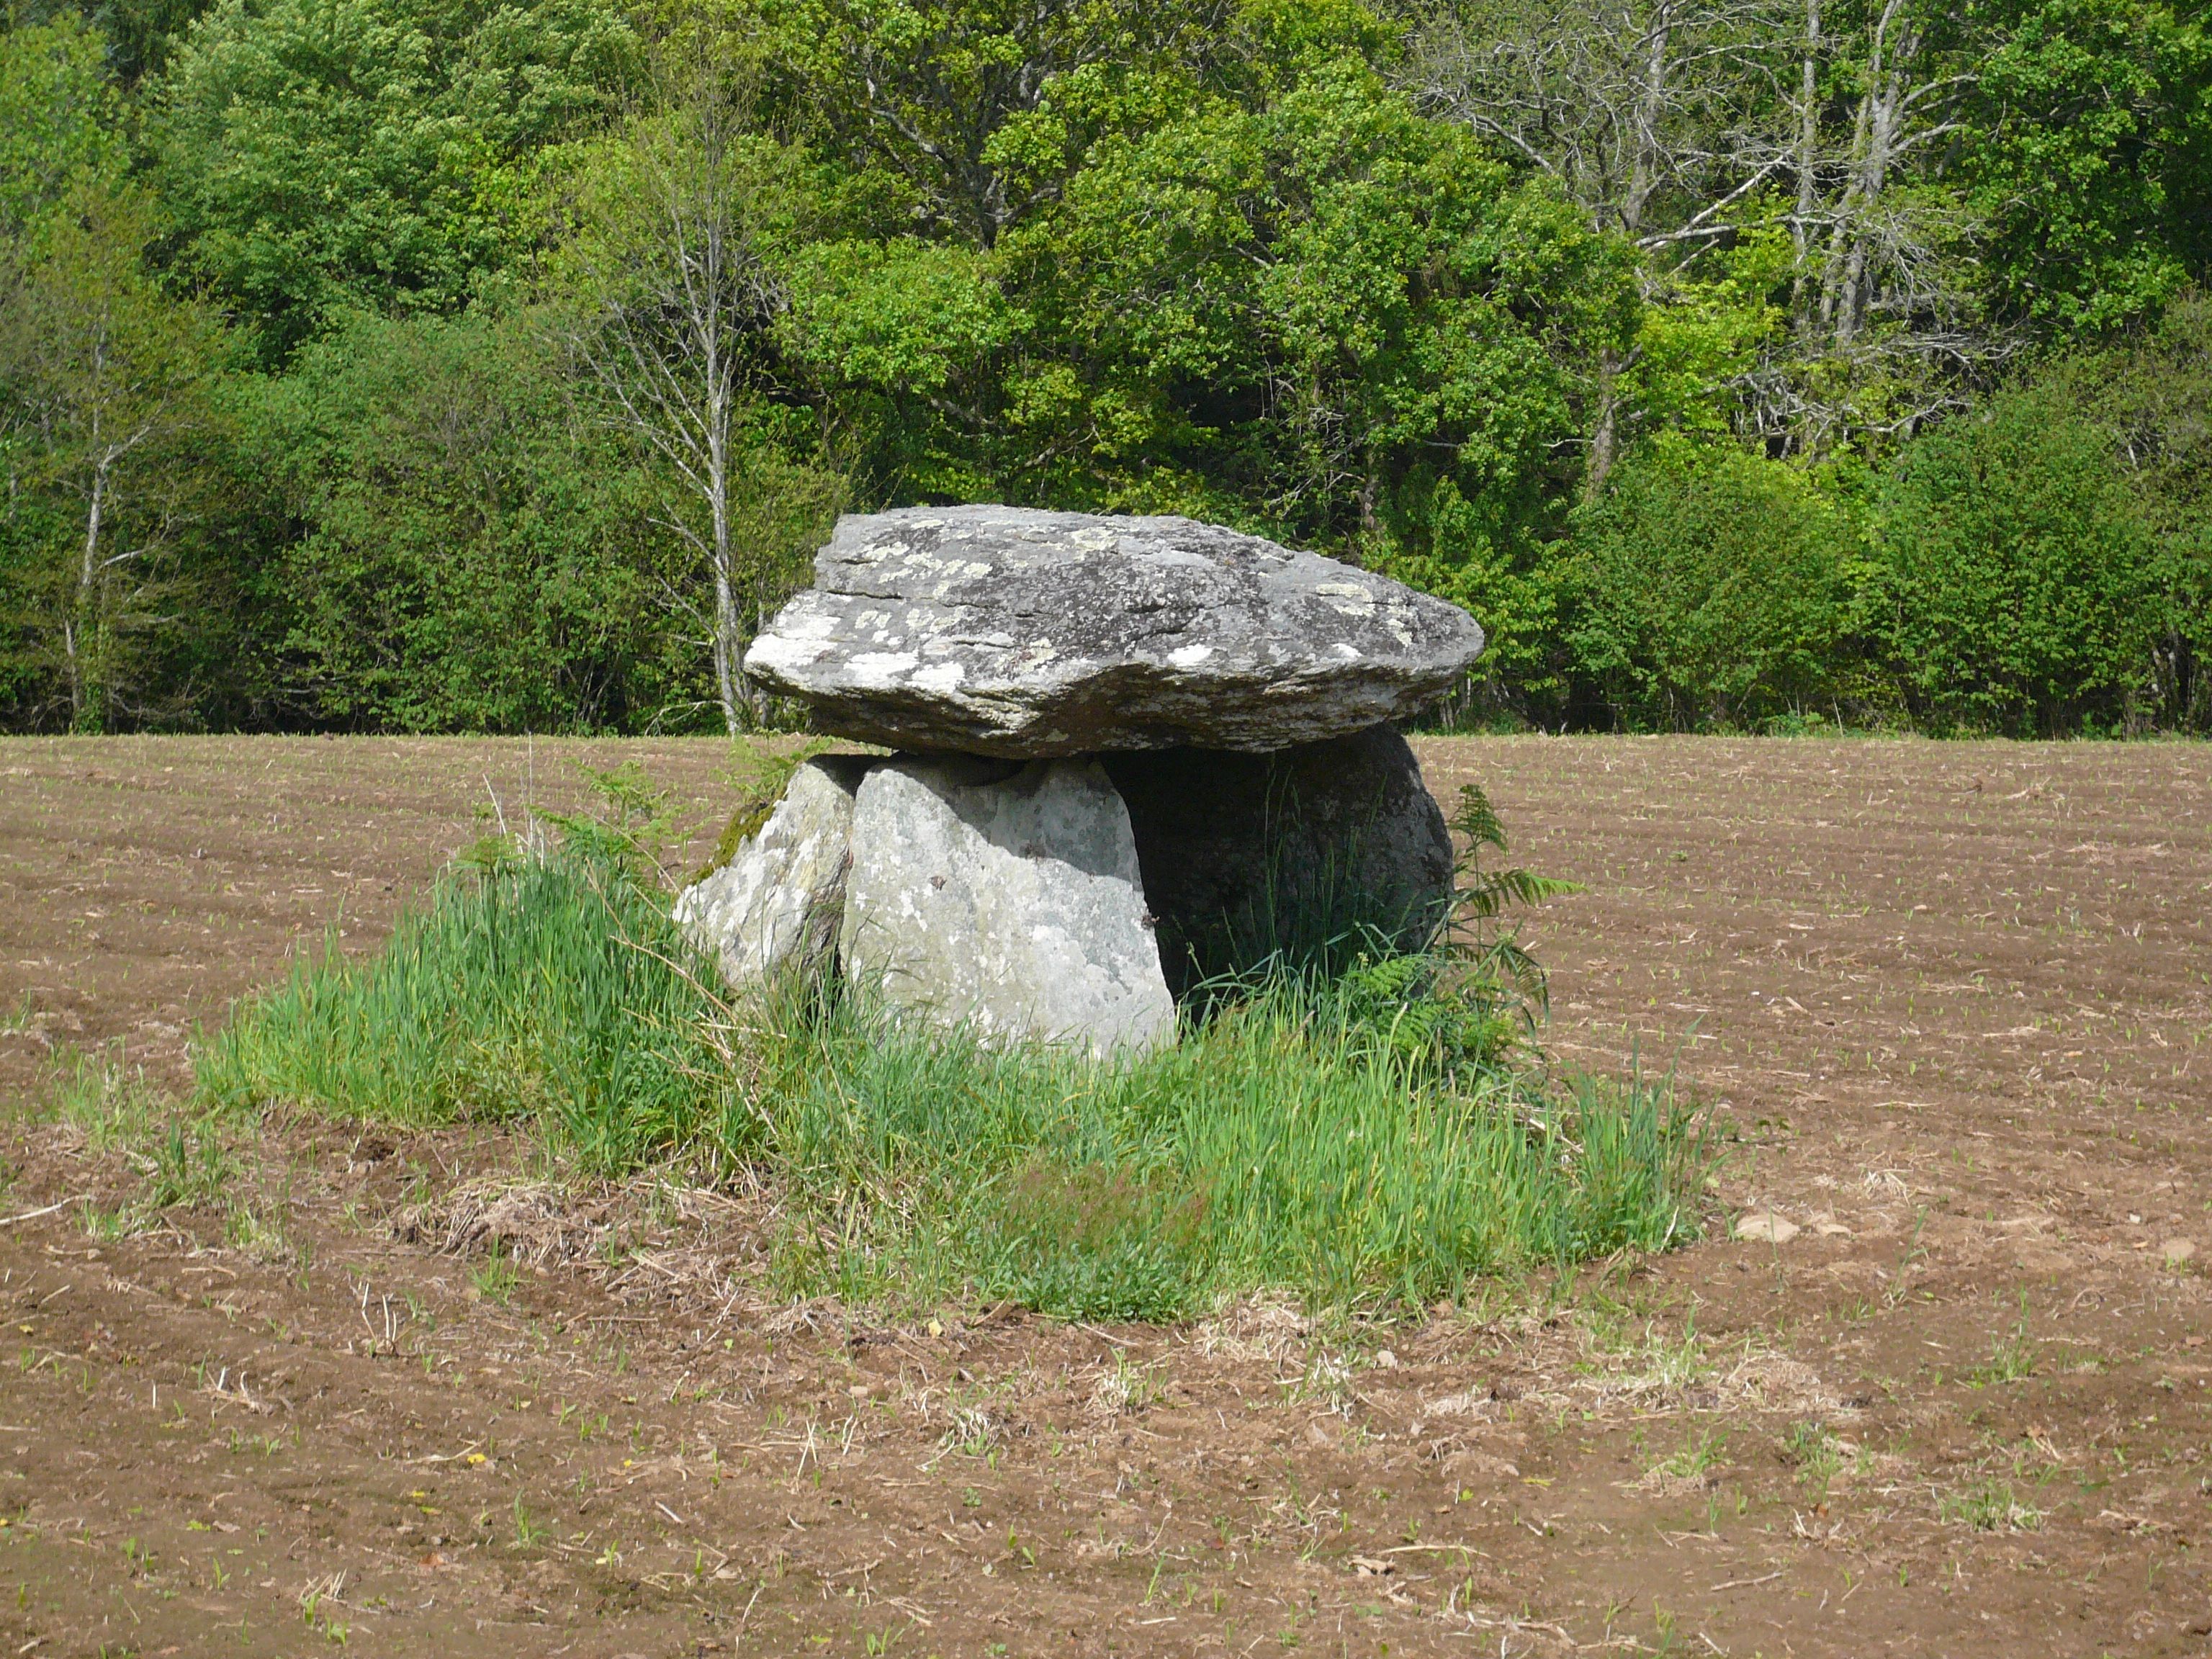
[1244,854]
[1007,897]
[776,906]
[1003,631]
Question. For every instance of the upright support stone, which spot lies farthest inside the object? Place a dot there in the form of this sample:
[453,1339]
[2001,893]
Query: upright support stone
[777,905]
[1006,896]
[1244,855]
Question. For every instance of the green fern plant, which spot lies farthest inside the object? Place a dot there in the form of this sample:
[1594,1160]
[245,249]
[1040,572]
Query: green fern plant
[1497,970]
[1470,999]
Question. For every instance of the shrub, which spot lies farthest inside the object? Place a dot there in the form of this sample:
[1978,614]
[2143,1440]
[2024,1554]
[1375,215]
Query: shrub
[1713,589]
[2015,585]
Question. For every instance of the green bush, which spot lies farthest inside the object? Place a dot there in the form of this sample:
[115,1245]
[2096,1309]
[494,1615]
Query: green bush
[472,557]
[2149,396]
[2015,585]
[1712,588]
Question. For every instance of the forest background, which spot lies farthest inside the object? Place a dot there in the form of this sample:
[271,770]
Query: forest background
[496,365]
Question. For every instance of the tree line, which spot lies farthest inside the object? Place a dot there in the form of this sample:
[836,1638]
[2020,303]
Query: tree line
[496,365]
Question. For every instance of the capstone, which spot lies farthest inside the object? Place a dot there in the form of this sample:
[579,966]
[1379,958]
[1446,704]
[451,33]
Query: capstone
[1009,632]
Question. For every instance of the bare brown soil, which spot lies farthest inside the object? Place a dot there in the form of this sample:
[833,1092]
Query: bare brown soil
[1951,1003]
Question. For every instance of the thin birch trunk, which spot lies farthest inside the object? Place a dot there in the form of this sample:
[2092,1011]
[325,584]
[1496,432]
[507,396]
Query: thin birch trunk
[1809,152]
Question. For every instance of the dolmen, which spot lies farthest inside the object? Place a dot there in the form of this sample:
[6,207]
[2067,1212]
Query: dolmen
[1131,755]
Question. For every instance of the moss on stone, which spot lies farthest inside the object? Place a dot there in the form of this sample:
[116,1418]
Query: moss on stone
[769,777]
[744,824]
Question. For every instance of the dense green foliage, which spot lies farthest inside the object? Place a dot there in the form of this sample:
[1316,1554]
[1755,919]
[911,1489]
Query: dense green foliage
[469,556]
[426,365]
[1297,1136]
[1715,587]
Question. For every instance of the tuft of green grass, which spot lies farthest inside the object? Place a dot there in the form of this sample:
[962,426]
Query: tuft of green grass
[1992,1507]
[1277,1144]
[1694,1459]
[495,1278]
[257,1230]
[551,987]
[1817,1454]
[188,1166]
[110,1103]
[181,1157]
[2013,1357]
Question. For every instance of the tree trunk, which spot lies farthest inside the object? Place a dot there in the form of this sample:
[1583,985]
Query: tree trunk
[1843,300]
[1650,107]
[1852,302]
[728,672]
[80,634]
[1808,150]
[1605,432]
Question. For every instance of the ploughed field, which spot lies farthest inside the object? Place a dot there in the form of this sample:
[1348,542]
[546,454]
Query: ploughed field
[1949,1004]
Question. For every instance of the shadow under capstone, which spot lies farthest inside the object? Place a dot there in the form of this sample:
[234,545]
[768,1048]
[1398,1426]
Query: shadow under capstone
[1300,856]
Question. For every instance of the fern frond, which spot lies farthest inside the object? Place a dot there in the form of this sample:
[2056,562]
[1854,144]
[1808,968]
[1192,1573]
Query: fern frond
[1478,822]
[1495,890]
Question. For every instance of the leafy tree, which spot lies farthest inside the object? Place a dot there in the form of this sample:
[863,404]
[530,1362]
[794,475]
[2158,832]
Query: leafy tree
[1660,121]
[106,409]
[321,156]
[673,295]
[1714,588]
[1314,315]
[2015,587]
[903,345]
[470,558]
[1944,175]
[60,120]
[2151,398]
[2092,159]
[974,112]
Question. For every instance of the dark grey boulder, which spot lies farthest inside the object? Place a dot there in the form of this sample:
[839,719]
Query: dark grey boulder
[1245,854]
[1026,634]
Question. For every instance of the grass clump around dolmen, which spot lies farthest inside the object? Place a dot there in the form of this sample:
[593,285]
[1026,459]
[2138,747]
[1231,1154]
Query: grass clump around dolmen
[1361,1125]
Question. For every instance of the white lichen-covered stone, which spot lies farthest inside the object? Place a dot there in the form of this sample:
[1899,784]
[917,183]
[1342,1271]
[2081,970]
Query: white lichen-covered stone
[1005,631]
[776,906]
[1005,897]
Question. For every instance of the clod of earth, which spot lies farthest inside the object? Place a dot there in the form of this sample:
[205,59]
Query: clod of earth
[1765,1228]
